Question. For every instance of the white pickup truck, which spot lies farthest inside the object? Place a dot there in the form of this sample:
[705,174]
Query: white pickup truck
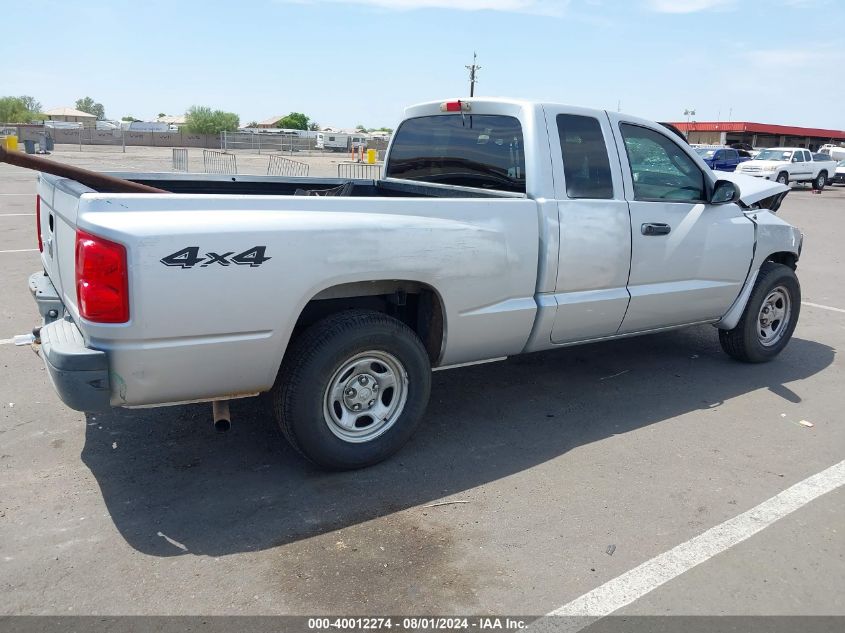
[790,164]
[501,227]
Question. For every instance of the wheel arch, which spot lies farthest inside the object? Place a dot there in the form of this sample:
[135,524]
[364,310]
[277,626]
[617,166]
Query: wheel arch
[417,304]
[734,313]
[786,258]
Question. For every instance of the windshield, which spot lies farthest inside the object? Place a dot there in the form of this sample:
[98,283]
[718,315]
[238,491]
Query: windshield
[773,154]
[704,152]
[841,163]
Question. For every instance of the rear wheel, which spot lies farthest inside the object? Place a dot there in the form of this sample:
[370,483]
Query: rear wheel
[352,389]
[783,178]
[769,318]
[821,181]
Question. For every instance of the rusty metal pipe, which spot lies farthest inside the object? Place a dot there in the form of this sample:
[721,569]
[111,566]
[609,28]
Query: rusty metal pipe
[97,181]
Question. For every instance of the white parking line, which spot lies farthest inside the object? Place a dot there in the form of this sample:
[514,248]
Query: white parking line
[634,584]
[17,194]
[6,341]
[21,250]
[11,215]
[818,305]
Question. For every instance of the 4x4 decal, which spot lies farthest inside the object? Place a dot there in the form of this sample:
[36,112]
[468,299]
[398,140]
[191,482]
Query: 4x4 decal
[190,256]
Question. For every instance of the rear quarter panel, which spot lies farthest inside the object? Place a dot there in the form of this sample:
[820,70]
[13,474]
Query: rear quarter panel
[213,331]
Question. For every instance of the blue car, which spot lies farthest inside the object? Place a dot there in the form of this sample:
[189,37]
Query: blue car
[723,159]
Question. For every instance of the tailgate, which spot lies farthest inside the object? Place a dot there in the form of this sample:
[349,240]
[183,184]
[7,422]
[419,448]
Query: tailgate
[57,207]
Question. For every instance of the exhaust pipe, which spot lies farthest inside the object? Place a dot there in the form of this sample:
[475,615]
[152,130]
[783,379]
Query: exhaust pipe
[220,412]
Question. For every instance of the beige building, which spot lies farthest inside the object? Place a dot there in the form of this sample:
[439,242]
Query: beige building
[271,122]
[70,115]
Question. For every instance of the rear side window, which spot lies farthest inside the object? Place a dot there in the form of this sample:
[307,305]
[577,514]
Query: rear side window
[586,166]
[480,150]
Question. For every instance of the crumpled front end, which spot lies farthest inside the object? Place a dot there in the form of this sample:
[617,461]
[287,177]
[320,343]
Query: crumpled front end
[756,193]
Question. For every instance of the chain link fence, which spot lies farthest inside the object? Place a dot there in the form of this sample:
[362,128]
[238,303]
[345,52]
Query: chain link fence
[266,142]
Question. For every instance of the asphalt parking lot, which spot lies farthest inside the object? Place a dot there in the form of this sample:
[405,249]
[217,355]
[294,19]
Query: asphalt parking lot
[564,471]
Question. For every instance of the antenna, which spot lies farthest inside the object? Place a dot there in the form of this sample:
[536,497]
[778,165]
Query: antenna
[473,70]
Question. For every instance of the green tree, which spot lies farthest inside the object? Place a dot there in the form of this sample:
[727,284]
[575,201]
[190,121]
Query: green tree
[294,121]
[204,120]
[31,104]
[129,117]
[361,127]
[87,104]
[314,126]
[19,109]
[252,124]
[161,114]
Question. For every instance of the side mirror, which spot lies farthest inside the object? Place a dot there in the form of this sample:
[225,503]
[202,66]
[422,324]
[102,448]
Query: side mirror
[795,159]
[724,191]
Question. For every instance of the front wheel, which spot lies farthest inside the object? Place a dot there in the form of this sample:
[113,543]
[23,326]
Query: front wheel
[352,389]
[783,178]
[769,319]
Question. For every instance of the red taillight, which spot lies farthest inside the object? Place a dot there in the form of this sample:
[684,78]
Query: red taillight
[38,222]
[102,285]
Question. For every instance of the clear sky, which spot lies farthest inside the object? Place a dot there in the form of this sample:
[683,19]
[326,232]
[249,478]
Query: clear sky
[345,62]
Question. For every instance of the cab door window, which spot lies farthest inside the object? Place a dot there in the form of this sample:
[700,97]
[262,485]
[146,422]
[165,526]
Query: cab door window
[660,169]
[586,166]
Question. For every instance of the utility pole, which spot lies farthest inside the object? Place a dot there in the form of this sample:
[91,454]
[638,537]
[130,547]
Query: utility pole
[473,69]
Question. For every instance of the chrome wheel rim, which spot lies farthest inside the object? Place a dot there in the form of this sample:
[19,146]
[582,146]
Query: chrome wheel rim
[773,318]
[365,396]
[782,179]
[821,181]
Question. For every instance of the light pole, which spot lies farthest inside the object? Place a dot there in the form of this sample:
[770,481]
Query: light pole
[688,113]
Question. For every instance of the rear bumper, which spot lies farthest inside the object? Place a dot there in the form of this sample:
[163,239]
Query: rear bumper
[80,375]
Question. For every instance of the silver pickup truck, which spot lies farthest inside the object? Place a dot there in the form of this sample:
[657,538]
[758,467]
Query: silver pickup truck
[501,227]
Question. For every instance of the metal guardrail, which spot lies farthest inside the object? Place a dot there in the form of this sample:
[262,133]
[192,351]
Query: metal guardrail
[281,166]
[180,159]
[215,162]
[359,170]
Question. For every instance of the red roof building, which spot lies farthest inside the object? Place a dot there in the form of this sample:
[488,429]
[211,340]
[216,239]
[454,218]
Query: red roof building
[758,134]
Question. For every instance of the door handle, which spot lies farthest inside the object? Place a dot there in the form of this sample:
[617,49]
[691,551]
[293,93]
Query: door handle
[655,228]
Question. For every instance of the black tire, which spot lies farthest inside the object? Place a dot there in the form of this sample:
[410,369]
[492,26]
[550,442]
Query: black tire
[743,342]
[312,362]
[783,178]
[820,181]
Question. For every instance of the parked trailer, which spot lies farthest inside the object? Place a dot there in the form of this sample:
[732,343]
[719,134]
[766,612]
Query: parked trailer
[836,152]
[334,142]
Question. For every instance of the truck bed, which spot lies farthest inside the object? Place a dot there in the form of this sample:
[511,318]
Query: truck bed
[288,186]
